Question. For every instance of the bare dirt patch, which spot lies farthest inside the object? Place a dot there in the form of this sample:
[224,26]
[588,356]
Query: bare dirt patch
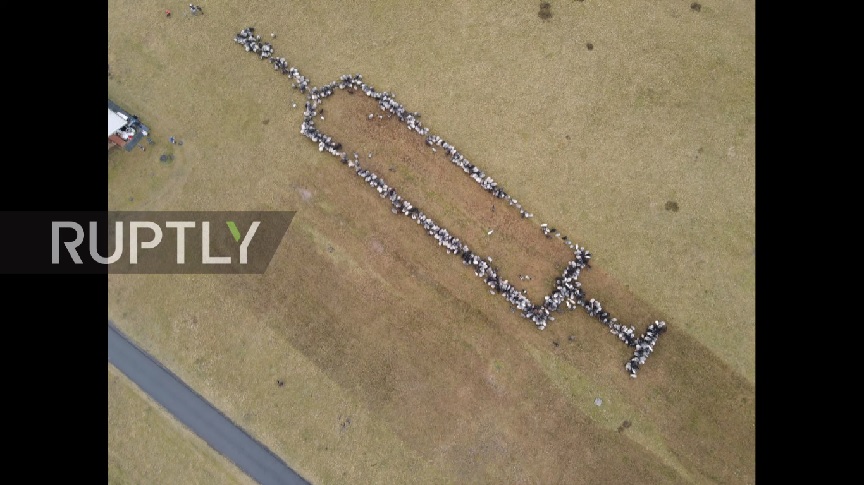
[545,12]
[305,194]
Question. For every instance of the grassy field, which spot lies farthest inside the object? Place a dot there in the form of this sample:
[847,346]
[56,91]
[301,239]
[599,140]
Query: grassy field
[398,364]
[147,446]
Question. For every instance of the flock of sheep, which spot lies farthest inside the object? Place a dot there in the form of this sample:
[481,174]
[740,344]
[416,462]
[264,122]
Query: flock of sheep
[568,289]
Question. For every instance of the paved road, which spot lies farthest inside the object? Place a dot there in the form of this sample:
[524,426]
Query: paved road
[197,414]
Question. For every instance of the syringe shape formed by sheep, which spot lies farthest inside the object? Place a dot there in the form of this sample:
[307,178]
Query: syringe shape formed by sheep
[568,290]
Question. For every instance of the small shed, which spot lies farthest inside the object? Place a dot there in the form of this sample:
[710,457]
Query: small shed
[115,122]
[124,129]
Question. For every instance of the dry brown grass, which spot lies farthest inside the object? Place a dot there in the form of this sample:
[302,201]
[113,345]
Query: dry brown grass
[441,382]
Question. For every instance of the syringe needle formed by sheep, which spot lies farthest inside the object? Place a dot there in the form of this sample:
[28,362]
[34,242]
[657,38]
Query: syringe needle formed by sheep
[568,290]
